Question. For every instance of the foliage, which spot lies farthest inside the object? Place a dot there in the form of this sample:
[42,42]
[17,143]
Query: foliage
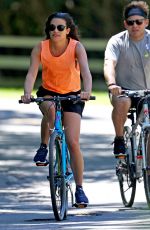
[95,18]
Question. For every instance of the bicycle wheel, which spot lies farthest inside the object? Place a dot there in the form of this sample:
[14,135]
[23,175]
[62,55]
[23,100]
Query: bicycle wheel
[126,173]
[67,182]
[56,177]
[146,170]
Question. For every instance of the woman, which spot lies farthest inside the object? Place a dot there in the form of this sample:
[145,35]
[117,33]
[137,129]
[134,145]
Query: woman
[63,58]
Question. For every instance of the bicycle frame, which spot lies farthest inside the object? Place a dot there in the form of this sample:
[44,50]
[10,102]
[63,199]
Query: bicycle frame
[142,121]
[58,127]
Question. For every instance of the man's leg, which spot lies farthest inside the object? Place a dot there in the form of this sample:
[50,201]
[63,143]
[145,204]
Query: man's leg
[121,106]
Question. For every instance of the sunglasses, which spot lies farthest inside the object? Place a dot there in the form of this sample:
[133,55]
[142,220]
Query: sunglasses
[52,27]
[137,21]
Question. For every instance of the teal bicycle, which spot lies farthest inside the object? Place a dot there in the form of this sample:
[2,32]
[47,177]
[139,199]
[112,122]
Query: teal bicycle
[60,173]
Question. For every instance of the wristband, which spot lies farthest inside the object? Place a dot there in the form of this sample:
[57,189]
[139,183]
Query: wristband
[111,84]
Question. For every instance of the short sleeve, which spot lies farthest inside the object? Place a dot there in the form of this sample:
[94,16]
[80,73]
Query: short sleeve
[112,50]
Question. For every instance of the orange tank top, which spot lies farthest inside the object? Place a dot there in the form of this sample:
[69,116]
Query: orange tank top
[60,74]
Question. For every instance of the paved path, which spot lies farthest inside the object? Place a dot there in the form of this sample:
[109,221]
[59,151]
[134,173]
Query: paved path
[24,190]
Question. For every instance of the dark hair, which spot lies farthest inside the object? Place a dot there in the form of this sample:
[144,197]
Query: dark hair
[136,4]
[69,23]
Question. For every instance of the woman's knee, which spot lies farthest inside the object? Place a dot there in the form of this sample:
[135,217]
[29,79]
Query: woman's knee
[73,145]
[48,111]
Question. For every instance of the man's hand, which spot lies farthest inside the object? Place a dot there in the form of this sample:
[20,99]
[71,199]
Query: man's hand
[115,90]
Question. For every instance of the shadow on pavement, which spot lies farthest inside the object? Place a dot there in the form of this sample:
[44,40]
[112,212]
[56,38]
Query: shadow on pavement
[24,194]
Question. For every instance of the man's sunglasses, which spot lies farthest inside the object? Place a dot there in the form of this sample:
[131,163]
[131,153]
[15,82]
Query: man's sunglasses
[137,21]
[52,27]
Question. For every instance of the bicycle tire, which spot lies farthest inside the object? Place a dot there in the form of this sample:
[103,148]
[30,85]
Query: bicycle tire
[127,179]
[56,177]
[146,170]
[67,188]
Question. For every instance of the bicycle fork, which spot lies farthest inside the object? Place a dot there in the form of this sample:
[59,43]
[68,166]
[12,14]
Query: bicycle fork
[145,128]
[66,166]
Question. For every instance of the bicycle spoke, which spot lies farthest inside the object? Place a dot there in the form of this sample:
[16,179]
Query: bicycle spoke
[57,180]
[125,173]
[146,172]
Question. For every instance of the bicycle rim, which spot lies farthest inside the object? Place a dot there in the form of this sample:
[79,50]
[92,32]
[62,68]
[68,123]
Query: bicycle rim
[146,171]
[127,179]
[56,178]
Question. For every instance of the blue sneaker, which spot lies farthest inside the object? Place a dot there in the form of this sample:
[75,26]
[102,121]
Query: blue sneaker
[40,157]
[80,198]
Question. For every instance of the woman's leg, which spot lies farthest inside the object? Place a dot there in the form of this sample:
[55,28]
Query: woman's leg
[72,122]
[44,131]
[47,123]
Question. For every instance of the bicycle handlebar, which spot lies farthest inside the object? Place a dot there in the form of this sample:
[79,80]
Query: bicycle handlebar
[59,98]
[135,93]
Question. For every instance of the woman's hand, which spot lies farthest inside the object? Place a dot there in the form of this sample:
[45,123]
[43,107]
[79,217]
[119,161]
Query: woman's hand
[26,98]
[85,95]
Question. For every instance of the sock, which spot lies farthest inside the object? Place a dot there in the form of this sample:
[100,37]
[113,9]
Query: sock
[43,146]
[79,187]
[119,137]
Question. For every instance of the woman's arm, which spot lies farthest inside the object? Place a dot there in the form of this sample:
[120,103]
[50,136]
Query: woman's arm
[85,71]
[32,73]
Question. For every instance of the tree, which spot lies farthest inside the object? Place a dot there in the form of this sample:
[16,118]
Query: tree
[95,18]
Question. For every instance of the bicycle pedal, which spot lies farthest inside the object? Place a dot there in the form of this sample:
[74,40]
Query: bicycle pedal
[42,164]
[140,179]
[48,178]
[81,205]
[121,168]
[121,156]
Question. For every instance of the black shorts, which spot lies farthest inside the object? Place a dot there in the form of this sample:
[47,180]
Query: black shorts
[67,106]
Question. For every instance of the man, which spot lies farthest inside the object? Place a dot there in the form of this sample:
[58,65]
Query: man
[127,65]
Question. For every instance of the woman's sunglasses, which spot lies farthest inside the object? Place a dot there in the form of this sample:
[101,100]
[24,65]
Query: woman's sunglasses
[52,27]
[137,21]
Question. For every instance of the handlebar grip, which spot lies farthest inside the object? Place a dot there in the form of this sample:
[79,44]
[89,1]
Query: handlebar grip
[20,101]
[31,100]
[123,91]
[92,98]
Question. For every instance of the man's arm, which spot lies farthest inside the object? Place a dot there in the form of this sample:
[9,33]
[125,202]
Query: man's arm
[109,71]
[110,76]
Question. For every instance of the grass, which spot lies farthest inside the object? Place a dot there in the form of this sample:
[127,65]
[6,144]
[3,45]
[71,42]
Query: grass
[15,93]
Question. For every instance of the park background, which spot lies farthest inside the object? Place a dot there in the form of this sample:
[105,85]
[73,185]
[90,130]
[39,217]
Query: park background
[22,26]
